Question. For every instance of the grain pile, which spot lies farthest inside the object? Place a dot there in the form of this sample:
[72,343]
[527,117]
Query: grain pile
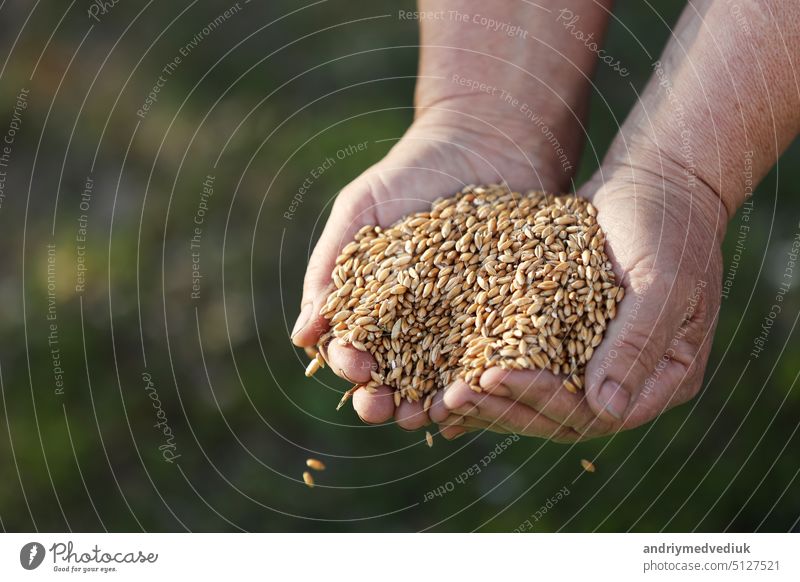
[486,278]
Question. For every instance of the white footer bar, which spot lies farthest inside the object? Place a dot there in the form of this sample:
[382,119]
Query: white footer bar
[406,557]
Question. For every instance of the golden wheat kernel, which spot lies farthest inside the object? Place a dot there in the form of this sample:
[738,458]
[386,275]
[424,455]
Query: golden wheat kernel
[313,367]
[315,464]
[588,466]
[308,479]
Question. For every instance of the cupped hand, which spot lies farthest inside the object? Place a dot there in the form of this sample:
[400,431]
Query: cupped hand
[439,154]
[663,239]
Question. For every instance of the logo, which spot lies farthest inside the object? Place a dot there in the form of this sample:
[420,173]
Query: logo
[100,8]
[31,555]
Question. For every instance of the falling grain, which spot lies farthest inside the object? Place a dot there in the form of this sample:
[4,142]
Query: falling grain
[312,367]
[315,464]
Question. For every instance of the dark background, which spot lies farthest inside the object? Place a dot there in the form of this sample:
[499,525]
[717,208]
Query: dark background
[271,93]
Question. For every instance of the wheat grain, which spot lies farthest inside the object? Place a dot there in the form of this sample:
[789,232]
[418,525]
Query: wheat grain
[346,396]
[486,278]
[313,366]
[315,464]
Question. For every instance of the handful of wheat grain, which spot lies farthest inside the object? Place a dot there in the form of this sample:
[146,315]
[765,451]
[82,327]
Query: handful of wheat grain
[487,278]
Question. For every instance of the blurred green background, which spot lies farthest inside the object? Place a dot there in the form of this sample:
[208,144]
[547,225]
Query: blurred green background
[259,102]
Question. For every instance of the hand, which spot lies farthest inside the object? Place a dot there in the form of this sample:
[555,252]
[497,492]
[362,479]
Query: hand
[474,97]
[441,153]
[664,244]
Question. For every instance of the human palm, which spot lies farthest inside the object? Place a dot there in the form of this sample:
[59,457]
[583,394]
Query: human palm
[435,158]
[664,244]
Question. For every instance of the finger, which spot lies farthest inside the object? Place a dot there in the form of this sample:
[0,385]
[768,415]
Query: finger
[531,387]
[545,392]
[675,380]
[482,425]
[410,415]
[452,432]
[438,411]
[513,416]
[457,395]
[630,350]
[491,382]
[354,207]
[455,420]
[350,363]
[657,291]
[374,408]
[351,211]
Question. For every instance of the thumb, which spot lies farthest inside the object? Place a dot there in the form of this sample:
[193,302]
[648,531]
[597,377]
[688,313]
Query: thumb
[352,210]
[377,197]
[634,342]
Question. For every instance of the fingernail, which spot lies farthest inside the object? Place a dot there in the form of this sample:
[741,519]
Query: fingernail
[613,398]
[452,420]
[459,434]
[344,375]
[302,319]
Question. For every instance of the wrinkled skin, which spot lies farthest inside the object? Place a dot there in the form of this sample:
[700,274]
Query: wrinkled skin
[664,244]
